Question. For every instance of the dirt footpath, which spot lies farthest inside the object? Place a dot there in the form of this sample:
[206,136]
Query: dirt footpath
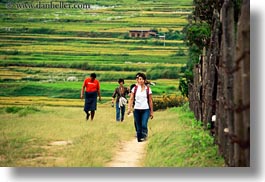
[130,154]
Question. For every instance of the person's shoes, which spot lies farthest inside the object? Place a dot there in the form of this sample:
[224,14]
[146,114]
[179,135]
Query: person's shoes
[87,116]
[141,139]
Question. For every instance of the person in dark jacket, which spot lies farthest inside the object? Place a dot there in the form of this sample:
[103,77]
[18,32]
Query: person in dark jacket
[120,94]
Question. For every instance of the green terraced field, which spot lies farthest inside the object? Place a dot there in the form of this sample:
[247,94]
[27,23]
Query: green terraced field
[41,46]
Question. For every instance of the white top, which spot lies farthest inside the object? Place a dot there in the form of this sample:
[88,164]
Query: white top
[122,102]
[141,98]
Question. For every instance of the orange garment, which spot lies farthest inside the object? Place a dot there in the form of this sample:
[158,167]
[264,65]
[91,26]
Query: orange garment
[91,86]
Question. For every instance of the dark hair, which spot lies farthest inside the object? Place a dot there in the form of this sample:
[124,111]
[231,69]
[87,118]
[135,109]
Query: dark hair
[121,80]
[93,75]
[131,87]
[147,82]
[137,75]
[142,75]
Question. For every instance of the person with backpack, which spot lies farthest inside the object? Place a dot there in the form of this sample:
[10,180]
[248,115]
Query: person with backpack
[121,100]
[141,95]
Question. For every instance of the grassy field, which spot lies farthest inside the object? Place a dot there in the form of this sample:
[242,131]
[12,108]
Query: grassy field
[178,140]
[46,136]
[41,48]
[28,139]
[92,34]
[72,90]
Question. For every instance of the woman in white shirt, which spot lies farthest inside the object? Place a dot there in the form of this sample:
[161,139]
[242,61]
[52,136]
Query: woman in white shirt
[143,107]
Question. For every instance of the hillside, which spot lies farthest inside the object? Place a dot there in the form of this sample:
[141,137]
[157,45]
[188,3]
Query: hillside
[36,38]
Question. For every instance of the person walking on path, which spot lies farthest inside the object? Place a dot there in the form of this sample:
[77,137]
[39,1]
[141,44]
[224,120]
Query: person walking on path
[143,108]
[121,100]
[91,87]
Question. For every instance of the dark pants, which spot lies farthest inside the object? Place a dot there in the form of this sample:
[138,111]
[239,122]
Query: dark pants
[141,120]
[120,112]
[90,101]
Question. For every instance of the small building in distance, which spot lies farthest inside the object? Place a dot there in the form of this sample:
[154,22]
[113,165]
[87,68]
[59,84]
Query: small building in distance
[138,33]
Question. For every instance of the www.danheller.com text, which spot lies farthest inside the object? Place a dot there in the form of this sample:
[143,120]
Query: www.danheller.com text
[47,5]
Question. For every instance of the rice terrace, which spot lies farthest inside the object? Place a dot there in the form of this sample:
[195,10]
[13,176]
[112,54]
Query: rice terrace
[47,52]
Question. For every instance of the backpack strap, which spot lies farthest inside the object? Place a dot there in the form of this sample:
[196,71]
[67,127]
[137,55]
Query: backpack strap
[135,90]
[147,93]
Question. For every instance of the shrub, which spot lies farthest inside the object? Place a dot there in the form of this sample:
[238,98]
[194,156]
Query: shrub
[22,111]
[13,109]
[168,101]
[41,30]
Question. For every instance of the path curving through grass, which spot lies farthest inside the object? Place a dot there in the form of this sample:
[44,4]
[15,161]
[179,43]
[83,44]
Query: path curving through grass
[130,154]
